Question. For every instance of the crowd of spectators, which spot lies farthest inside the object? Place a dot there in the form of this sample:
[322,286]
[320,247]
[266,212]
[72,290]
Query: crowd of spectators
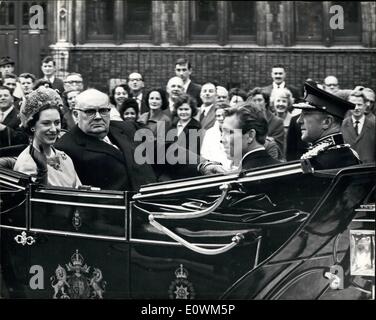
[194,112]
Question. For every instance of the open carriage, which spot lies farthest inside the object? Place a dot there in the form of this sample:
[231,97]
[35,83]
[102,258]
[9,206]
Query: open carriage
[271,233]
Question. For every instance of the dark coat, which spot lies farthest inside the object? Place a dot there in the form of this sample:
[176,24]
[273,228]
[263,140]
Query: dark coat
[12,134]
[364,143]
[194,91]
[185,138]
[101,165]
[295,146]
[276,129]
[295,92]
[260,158]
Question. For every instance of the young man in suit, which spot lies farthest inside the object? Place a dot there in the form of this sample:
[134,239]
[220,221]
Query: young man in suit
[183,70]
[208,96]
[244,132]
[359,130]
[49,69]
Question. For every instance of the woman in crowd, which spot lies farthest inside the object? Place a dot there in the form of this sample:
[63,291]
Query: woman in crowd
[156,101]
[118,94]
[236,96]
[281,100]
[212,147]
[187,128]
[69,99]
[41,118]
[129,110]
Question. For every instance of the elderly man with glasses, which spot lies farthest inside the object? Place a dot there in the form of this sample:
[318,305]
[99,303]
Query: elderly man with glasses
[102,150]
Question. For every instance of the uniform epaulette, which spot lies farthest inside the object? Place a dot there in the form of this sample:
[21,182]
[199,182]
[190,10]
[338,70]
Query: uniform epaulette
[314,151]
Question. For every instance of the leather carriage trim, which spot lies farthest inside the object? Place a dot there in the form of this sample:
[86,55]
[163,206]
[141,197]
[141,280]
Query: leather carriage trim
[76,234]
[221,178]
[77,193]
[247,178]
[12,185]
[9,178]
[4,226]
[80,204]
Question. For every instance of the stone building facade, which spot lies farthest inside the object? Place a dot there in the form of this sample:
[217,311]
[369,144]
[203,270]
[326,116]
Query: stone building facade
[234,43]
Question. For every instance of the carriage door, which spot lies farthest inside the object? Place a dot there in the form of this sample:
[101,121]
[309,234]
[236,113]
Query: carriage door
[26,46]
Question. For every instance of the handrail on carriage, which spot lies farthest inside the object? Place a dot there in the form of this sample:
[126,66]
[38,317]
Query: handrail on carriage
[234,241]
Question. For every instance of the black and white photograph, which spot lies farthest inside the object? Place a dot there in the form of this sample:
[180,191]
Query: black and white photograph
[161,151]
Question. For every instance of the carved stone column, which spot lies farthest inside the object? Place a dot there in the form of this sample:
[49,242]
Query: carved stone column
[63,29]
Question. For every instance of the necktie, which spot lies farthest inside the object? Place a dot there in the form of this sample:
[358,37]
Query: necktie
[1,116]
[202,115]
[356,127]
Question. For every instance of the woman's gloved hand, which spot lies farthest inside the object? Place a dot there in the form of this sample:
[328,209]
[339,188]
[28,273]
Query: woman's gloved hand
[41,161]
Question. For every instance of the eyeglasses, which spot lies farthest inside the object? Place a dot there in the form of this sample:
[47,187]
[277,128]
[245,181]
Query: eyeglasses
[92,112]
[73,81]
[138,79]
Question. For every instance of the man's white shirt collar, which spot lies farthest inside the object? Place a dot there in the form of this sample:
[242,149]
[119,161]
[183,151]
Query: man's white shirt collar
[281,85]
[50,79]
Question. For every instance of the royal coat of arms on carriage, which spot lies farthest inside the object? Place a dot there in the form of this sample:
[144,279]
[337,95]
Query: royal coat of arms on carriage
[77,280]
[181,288]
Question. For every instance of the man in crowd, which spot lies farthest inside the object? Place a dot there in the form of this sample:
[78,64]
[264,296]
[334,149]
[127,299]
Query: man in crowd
[136,84]
[10,134]
[222,95]
[331,84]
[359,130]
[208,96]
[10,81]
[278,75]
[6,66]
[244,132]
[174,88]
[183,70]
[320,121]
[26,81]
[49,70]
[102,150]
[73,82]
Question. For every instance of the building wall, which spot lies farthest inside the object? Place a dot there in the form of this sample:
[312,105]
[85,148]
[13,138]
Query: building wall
[244,65]
[230,67]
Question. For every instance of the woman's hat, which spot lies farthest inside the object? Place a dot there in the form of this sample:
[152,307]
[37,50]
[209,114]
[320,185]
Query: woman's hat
[37,99]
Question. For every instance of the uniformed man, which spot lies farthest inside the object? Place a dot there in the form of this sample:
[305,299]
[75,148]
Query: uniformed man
[320,121]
